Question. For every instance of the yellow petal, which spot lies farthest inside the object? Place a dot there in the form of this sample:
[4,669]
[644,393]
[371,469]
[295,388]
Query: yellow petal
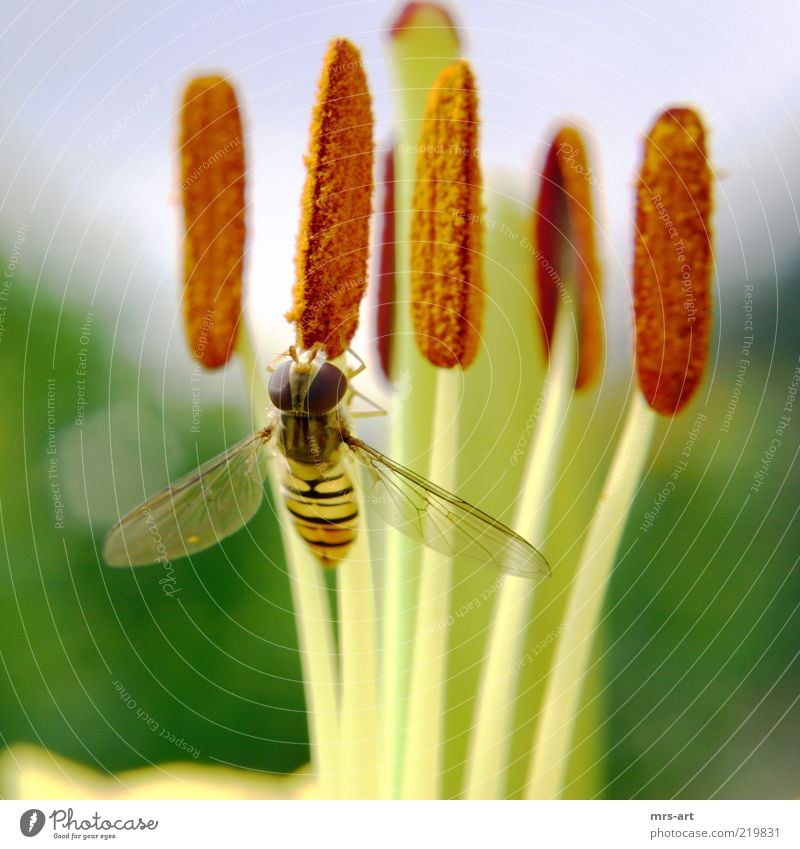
[31,772]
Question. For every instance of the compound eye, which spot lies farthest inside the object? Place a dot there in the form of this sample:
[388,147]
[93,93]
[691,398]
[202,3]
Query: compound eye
[326,390]
[280,392]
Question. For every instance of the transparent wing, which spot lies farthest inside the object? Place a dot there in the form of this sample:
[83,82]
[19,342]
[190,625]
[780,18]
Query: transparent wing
[437,518]
[196,511]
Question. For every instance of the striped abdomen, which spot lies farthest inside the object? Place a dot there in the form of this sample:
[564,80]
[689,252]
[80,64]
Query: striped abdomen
[322,504]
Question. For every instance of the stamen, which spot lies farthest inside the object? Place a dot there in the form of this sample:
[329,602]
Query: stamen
[672,215]
[673,261]
[447,301]
[423,43]
[447,293]
[333,243]
[429,15]
[213,197]
[386,285]
[566,262]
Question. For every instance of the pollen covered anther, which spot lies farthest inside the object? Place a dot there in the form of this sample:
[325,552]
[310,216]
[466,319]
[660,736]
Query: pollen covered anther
[333,242]
[673,261]
[212,191]
[447,292]
[566,260]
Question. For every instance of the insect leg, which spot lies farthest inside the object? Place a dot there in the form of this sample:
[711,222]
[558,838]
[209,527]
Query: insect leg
[361,364]
[376,410]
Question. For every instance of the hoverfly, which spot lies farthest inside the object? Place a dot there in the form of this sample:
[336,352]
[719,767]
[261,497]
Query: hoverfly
[308,434]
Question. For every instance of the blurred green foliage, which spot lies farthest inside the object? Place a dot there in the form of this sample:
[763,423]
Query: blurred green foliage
[703,614]
[214,669]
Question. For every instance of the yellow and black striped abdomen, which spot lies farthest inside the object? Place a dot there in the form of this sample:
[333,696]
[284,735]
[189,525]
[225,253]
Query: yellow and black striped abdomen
[323,506]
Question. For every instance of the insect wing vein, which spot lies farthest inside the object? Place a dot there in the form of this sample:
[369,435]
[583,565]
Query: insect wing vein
[196,511]
[441,520]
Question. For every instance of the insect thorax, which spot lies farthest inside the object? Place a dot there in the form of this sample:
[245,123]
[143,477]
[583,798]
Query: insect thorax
[310,439]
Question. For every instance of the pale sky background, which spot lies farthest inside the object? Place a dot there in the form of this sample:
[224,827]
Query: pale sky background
[102,231]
